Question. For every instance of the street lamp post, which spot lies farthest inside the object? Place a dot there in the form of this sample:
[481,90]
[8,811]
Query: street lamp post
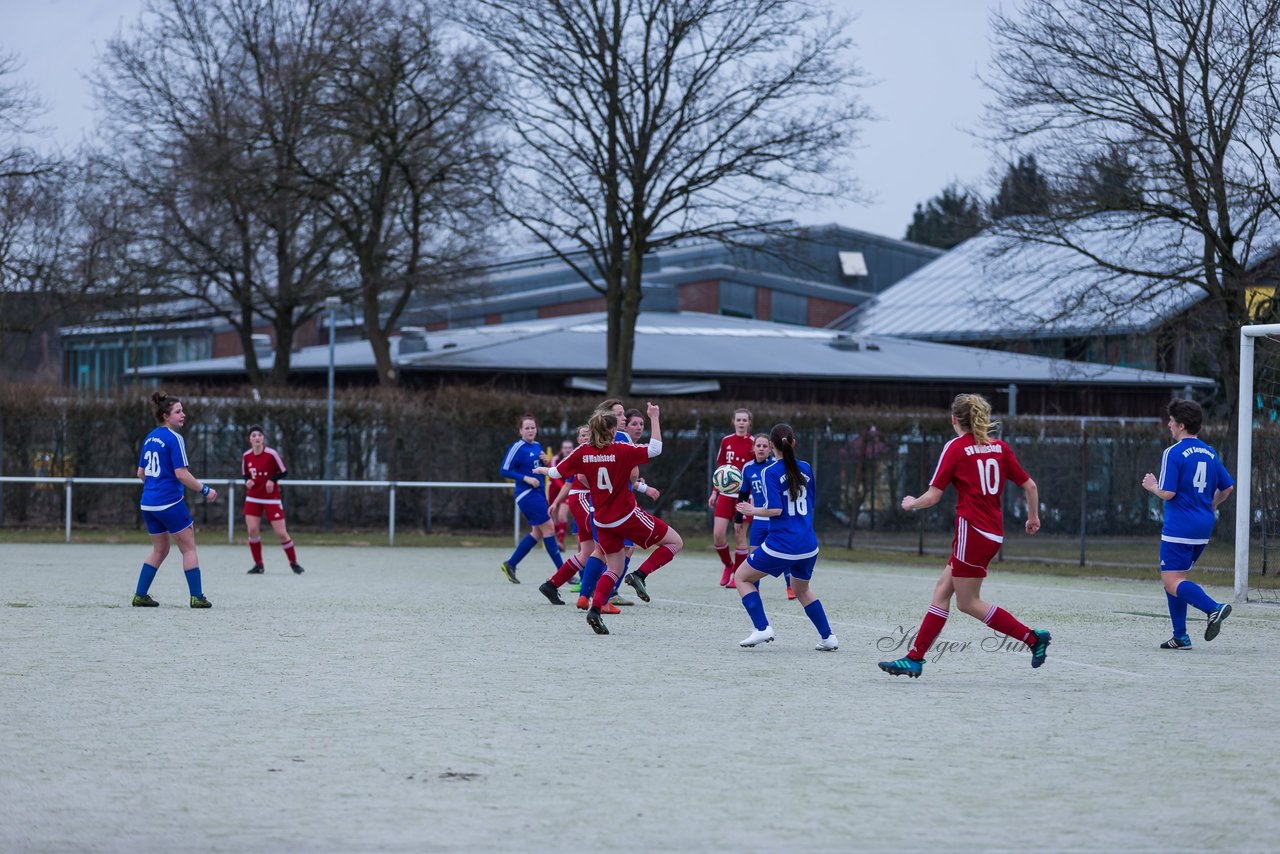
[331,306]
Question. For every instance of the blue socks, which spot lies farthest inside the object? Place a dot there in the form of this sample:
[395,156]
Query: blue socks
[523,549]
[818,617]
[1193,594]
[145,578]
[193,581]
[590,575]
[553,549]
[755,608]
[1177,615]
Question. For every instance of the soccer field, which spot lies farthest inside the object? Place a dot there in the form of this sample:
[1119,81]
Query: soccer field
[413,700]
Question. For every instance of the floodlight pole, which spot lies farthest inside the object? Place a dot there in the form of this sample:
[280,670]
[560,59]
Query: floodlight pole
[331,306]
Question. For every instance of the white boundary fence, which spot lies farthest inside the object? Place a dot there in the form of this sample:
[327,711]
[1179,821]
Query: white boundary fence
[230,493]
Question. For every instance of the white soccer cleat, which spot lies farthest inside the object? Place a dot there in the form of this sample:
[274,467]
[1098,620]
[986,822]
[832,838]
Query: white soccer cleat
[757,637]
[828,644]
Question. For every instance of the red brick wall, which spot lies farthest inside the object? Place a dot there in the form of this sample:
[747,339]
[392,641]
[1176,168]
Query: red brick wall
[764,304]
[582,306]
[701,296]
[822,311]
[493,318]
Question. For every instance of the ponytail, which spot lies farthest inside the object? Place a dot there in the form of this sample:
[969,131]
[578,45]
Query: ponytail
[784,440]
[973,413]
[603,425]
[161,404]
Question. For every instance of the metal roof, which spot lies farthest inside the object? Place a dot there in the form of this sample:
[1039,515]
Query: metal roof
[688,345]
[992,286]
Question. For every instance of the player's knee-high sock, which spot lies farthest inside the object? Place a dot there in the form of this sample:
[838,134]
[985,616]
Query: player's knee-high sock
[566,571]
[661,556]
[553,549]
[930,627]
[726,557]
[1177,615]
[1006,624]
[755,609]
[591,571]
[818,617]
[562,528]
[604,589]
[289,551]
[1193,594]
[193,581]
[522,549]
[145,577]
[739,556]
[255,549]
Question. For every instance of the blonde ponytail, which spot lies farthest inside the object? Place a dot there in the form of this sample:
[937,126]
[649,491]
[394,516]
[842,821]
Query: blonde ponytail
[973,413]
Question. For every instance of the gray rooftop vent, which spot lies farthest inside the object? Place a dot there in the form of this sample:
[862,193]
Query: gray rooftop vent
[261,345]
[844,341]
[413,339]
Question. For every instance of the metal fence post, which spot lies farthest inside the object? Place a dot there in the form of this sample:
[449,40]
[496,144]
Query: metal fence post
[1084,488]
[68,481]
[391,515]
[231,511]
[516,524]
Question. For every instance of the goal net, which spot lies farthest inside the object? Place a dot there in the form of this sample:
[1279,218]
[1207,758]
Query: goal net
[1257,471]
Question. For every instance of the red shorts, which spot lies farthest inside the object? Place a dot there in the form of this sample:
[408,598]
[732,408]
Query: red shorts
[642,529]
[726,506]
[971,551]
[580,509]
[273,512]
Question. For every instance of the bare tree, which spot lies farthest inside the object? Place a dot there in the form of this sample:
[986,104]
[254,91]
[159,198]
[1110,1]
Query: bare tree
[1186,90]
[640,123]
[413,161]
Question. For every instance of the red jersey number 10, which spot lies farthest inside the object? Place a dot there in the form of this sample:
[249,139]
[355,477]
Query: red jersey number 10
[989,475]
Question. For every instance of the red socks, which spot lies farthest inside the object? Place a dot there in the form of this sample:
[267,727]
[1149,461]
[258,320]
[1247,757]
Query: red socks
[930,627]
[604,590]
[1006,624]
[292,555]
[739,557]
[255,549]
[726,557]
[566,571]
[661,556]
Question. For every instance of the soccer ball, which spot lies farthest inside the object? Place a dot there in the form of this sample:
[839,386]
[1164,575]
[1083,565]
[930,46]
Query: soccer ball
[727,480]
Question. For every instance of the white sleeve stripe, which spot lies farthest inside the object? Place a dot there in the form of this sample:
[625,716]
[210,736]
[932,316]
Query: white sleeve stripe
[279,460]
[941,457]
[511,453]
[182,449]
[1164,462]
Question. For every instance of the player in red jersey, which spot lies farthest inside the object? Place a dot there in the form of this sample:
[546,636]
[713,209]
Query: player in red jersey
[978,466]
[560,513]
[607,466]
[262,469]
[735,450]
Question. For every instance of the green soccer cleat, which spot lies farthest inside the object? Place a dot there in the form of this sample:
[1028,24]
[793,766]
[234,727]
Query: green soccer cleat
[903,667]
[1040,648]
[575,587]
[145,601]
[510,572]
[1215,622]
[636,580]
[200,602]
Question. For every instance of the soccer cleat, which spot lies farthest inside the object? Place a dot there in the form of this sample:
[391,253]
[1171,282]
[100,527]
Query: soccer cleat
[575,587]
[903,667]
[733,582]
[620,600]
[828,644]
[1040,648]
[510,572]
[297,568]
[1215,622]
[791,594]
[200,602]
[256,569]
[610,608]
[144,601]
[757,637]
[597,625]
[725,576]
[583,603]
[1176,642]
[636,580]
[549,590]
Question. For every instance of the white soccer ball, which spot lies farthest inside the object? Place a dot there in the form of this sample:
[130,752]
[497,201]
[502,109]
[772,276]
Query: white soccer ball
[727,480]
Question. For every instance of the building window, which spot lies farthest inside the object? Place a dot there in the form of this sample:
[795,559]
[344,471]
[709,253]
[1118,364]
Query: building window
[790,308]
[737,300]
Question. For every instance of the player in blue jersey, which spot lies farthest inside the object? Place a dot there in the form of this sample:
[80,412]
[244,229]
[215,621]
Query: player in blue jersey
[1192,483]
[524,454]
[791,544]
[753,492]
[162,468]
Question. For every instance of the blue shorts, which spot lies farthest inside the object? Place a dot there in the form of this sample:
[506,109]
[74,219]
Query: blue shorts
[171,520]
[533,504]
[1179,557]
[762,561]
[758,532]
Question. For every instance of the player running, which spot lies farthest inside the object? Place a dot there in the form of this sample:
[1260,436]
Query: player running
[753,493]
[163,470]
[1192,483]
[607,466]
[262,469]
[560,514]
[978,465]
[519,464]
[791,544]
[735,450]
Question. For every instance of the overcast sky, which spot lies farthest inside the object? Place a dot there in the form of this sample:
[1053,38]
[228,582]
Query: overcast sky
[926,55]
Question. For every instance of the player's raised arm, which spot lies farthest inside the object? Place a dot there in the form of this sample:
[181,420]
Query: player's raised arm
[655,430]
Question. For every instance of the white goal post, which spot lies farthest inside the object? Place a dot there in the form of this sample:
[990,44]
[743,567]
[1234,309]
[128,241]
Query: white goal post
[1244,452]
